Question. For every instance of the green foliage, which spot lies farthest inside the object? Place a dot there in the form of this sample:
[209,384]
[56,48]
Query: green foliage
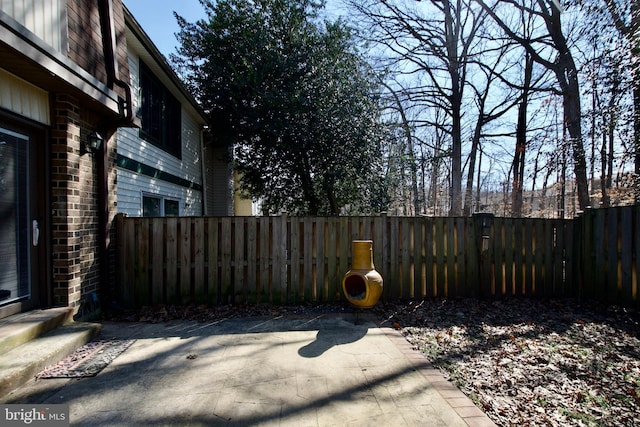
[295,98]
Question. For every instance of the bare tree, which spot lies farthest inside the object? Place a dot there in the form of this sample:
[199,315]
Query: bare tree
[432,42]
[561,64]
[397,94]
[626,17]
[486,114]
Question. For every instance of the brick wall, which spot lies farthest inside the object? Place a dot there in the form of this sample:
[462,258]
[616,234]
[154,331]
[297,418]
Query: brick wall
[74,198]
[75,220]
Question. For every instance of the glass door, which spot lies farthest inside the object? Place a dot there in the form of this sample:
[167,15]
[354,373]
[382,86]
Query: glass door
[17,232]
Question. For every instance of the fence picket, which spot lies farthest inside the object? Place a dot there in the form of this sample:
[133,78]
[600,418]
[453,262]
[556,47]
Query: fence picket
[626,253]
[498,284]
[321,291]
[600,252]
[450,277]
[394,258]
[198,242]
[213,274]
[142,296]
[252,239]
[239,279]
[461,261]
[171,241]
[406,274]
[226,243]
[440,267]
[185,261]
[344,249]
[510,286]
[308,292]
[332,259]
[157,262]
[294,273]
[472,258]
[612,238]
[538,258]
[549,251]
[419,279]
[264,284]
[127,260]
[635,268]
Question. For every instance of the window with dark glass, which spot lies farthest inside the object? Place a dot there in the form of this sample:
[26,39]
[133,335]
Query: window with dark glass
[153,205]
[160,114]
[171,208]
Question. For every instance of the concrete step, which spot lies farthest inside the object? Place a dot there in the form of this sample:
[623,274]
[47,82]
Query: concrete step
[22,362]
[20,328]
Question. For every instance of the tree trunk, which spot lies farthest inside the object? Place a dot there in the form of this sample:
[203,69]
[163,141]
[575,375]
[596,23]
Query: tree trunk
[567,76]
[452,33]
[521,141]
[475,142]
[603,175]
[308,191]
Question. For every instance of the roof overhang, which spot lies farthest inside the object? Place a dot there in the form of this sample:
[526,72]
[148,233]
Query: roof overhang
[30,58]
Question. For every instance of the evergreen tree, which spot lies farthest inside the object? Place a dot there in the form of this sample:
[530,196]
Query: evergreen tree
[296,99]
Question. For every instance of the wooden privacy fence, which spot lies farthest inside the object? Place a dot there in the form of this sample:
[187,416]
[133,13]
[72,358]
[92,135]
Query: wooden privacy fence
[283,259]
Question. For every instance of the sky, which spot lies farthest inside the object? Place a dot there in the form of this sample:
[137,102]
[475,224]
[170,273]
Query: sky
[157,20]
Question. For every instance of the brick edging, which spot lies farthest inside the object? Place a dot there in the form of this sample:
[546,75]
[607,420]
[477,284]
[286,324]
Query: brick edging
[460,403]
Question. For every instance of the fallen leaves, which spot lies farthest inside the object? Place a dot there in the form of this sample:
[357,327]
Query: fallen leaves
[532,362]
[203,312]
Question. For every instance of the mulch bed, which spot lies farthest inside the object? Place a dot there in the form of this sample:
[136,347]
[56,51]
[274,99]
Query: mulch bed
[524,362]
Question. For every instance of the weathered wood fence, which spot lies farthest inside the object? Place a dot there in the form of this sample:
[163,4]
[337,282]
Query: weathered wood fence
[285,259]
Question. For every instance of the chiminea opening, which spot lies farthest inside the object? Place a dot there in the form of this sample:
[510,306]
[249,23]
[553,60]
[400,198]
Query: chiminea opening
[355,287]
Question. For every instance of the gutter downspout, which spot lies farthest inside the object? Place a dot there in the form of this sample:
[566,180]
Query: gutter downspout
[105,10]
[111,63]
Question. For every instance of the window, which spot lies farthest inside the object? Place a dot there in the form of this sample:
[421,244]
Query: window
[160,114]
[159,206]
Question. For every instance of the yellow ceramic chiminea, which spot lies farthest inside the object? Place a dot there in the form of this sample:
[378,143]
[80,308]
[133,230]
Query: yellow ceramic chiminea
[362,285]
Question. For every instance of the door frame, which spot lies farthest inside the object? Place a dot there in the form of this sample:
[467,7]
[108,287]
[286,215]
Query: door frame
[40,195]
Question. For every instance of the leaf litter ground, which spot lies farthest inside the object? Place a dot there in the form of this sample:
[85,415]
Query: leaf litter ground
[532,362]
[524,362]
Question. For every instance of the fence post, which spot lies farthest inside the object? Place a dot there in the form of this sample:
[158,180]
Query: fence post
[118,291]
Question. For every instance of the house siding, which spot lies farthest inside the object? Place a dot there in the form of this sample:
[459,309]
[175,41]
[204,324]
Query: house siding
[44,18]
[131,186]
[23,98]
